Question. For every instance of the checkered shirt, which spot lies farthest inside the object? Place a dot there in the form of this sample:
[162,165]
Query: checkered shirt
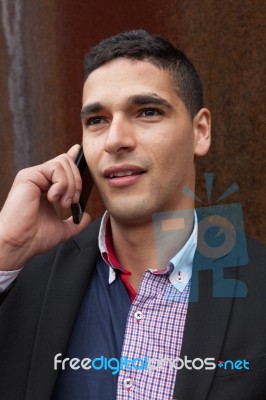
[155,324]
[157,334]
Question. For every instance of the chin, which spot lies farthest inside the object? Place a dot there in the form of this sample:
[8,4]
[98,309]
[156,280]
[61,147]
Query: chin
[130,214]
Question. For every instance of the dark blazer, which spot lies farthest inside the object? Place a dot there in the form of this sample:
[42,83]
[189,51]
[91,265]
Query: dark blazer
[38,311]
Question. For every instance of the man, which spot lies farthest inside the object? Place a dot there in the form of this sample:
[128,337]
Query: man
[112,290]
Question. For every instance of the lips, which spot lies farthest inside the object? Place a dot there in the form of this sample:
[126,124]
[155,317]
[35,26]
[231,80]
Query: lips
[121,171]
[123,175]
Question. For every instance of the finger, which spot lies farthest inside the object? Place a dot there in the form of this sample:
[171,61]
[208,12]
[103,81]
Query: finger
[77,178]
[73,180]
[75,173]
[66,181]
[56,174]
[73,151]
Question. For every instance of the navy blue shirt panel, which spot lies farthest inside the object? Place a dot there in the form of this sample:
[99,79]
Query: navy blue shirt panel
[98,331]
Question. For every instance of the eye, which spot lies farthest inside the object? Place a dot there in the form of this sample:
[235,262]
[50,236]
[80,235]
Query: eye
[150,112]
[95,120]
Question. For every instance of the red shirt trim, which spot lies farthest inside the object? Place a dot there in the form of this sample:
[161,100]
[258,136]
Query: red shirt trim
[111,259]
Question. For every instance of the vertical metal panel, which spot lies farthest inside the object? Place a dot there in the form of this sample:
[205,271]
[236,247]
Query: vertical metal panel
[12,11]
[227,41]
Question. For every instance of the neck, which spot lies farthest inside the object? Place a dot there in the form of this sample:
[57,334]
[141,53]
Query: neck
[151,244]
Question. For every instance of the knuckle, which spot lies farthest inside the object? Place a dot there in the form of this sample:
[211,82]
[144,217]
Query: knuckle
[64,157]
[25,174]
[56,164]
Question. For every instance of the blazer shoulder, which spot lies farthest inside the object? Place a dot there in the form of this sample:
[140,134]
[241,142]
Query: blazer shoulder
[89,235]
[39,267]
[87,238]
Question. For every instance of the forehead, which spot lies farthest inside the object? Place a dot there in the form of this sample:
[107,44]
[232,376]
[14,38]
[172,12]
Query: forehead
[122,78]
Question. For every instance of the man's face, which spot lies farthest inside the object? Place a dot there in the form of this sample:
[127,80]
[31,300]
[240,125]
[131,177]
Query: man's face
[139,140]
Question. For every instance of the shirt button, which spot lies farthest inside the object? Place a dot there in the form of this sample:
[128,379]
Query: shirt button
[128,383]
[138,315]
[179,278]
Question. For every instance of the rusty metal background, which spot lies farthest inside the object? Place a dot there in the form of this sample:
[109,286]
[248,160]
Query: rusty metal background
[42,44]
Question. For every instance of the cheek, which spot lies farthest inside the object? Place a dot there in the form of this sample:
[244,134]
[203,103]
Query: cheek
[175,162]
[92,149]
[178,151]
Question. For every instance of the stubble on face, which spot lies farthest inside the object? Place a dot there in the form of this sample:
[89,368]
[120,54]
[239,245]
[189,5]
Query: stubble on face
[163,146]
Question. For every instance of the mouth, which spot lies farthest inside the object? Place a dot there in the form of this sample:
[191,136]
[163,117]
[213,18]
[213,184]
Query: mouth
[123,175]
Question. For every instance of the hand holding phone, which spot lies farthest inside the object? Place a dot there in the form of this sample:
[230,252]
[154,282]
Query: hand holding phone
[39,228]
[78,208]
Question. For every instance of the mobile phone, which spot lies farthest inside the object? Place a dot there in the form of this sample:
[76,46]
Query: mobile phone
[78,208]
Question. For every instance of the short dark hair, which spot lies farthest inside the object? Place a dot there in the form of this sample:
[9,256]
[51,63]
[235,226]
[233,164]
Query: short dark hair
[141,45]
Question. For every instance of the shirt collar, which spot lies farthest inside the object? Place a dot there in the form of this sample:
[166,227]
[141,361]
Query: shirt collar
[182,262]
[179,268]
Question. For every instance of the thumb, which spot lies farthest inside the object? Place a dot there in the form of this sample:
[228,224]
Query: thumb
[72,229]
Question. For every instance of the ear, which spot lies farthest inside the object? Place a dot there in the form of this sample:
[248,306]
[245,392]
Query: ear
[202,132]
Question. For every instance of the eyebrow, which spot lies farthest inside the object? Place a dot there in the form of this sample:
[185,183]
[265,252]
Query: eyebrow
[144,99]
[91,108]
[138,99]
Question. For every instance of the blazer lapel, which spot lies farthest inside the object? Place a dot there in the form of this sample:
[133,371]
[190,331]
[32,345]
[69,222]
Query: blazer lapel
[68,282]
[205,329]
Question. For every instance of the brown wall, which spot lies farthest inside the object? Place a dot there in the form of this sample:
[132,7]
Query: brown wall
[42,44]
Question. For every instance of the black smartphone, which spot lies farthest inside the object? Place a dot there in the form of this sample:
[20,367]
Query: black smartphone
[78,208]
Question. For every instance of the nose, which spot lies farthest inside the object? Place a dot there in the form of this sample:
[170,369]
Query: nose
[121,136]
